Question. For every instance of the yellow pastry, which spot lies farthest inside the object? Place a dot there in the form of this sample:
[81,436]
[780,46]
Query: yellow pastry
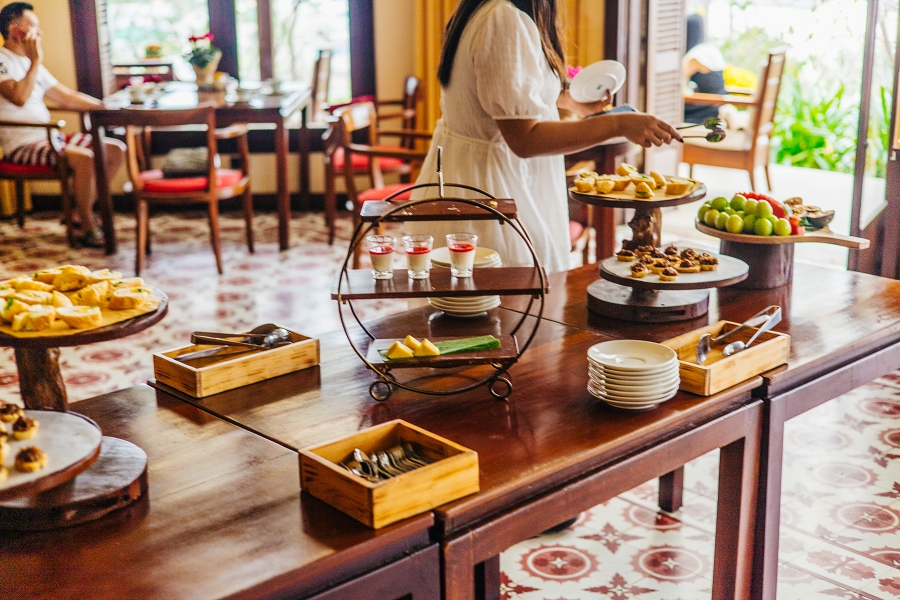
[31,284]
[709,263]
[128,298]
[659,179]
[625,170]
[677,186]
[668,274]
[104,275]
[639,270]
[30,459]
[24,428]
[60,300]
[411,343]
[687,266]
[71,277]
[37,318]
[4,473]
[619,182]
[80,317]
[584,185]
[639,178]
[34,297]
[46,275]
[659,265]
[626,255]
[128,282]
[643,190]
[11,308]
[92,295]
[9,413]
[604,186]
[8,292]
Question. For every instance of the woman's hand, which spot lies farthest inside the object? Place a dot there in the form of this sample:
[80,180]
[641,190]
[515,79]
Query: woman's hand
[645,130]
[580,108]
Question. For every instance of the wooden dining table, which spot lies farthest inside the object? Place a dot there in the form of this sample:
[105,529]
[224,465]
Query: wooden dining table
[261,108]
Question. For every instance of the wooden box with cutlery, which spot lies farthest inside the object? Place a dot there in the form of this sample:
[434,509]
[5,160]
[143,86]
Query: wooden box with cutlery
[719,372]
[388,472]
[229,367]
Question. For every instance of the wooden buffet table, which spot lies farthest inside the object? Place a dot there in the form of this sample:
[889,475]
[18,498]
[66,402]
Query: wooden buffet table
[845,331]
[271,109]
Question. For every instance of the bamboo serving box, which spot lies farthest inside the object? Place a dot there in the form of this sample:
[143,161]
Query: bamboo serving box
[454,474]
[718,371]
[215,374]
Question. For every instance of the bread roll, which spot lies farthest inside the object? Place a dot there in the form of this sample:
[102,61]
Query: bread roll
[80,317]
[71,277]
[659,179]
[128,282]
[677,186]
[34,297]
[47,275]
[60,300]
[92,295]
[128,298]
[625,170]
[31,284]
[104,275]
[13,307]
[38,318]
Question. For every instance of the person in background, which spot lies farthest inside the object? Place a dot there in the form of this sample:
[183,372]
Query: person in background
[24,84]
[503,78]
[703,66]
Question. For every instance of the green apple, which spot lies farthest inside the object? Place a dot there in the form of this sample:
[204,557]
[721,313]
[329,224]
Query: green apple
[737,202]
[783,227]
[773,219]
[721,219]
[763,226]
[763,209]
[710,217]
[749,222]
[735,224]
[729,210]
[700,213]
[719,203]
[750,206]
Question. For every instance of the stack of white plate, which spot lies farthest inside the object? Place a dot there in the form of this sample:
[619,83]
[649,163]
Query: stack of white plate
[632,374]
[485,258]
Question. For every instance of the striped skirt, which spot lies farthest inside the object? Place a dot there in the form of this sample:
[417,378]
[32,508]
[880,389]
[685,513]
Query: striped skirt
[43,154]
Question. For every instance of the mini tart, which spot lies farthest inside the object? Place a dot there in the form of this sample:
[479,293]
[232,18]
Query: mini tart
[709,263]
[657,253]
[687,266]
[10,412]
[643,250]
[30,459]
[80,317]
[647,259]
[639,270]
[626,255]
[659,265]
[24,428]
[689,253]
[668,274]
[671,250]
[624,170]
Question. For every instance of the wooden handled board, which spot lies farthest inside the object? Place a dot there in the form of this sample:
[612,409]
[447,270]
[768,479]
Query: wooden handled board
[823,236]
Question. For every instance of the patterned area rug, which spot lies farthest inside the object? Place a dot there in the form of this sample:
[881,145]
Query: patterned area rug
[841,509]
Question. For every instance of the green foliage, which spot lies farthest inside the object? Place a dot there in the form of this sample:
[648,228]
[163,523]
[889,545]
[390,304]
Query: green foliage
[879,133]
[748,49]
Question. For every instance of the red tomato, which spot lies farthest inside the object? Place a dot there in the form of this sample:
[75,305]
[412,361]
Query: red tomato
[796,227]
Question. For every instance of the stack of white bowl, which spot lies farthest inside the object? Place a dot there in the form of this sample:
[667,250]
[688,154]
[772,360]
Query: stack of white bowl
[632,374]
[471,306]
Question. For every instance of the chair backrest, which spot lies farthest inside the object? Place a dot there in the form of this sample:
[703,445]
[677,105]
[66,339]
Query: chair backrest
[766,96]
[319,86]
[344,122]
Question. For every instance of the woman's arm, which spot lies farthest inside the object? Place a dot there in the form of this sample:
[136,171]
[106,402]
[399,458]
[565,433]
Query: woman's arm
[532,137]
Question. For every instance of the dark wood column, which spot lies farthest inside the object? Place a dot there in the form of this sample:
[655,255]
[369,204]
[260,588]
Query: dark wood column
[222,25]
[93,70]
[362,48]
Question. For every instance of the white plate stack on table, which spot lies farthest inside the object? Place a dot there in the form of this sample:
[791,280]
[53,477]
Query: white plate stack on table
[485,258]
[632,374]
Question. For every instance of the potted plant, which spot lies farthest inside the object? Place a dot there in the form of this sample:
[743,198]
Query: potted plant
[204,57]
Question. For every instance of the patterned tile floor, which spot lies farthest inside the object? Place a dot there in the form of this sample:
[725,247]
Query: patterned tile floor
[841,508]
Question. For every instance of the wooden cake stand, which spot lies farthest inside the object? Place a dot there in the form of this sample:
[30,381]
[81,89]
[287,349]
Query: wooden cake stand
[37,358]
[771,257]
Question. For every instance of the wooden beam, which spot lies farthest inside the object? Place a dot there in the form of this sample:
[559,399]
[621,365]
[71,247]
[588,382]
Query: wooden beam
[362,48]
[223,26]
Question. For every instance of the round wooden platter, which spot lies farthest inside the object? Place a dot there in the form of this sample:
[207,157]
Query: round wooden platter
[659,200]
[616,301]
[92,336]
[118,478]
[822,236]
[730,271]
[71,443]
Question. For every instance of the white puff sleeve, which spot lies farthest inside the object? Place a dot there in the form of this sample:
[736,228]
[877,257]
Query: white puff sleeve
[509,65]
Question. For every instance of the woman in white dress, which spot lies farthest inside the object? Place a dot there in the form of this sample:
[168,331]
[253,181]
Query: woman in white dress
[501,74]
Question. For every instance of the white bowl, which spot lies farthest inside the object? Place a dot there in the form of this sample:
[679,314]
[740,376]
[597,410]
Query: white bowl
[632,356]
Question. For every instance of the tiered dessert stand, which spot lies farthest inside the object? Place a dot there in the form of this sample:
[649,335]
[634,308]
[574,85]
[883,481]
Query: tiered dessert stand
[618,295]
[358,284]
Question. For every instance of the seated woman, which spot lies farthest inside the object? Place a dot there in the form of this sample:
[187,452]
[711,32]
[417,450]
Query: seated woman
[703,65]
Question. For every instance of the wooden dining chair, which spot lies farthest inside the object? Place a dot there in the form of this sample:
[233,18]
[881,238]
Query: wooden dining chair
[407,112]
[742,149]
[321,79]
[151,187]
[19,174]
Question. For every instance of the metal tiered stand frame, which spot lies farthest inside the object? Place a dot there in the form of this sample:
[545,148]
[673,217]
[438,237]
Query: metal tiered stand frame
[358,284]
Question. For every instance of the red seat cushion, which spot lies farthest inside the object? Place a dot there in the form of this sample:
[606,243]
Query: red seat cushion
[382,193]
[17,169]
[154,181]
[361,161]
[575,229]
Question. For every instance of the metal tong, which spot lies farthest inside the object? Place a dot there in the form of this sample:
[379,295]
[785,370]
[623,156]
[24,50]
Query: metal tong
[764,319]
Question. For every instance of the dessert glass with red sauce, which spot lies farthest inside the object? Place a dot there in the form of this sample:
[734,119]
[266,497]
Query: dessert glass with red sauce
[381,252]
[418,255]
[462,253]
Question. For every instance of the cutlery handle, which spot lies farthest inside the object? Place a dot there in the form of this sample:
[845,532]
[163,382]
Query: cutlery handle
[754,321]
[202,339]
[773,320]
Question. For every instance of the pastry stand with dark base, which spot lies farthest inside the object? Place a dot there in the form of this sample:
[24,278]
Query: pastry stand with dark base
[771,258]
[37,358]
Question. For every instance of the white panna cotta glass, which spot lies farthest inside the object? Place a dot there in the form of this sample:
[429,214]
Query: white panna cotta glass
[418,255]
[462,253]
[381,253]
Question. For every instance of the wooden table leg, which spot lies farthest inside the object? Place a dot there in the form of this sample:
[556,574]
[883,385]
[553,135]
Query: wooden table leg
[768,503]
[671,490]
[735,514]
[458,566]
[284,196]
[104,197]
[304,160]
[605,231]
[40,379]
[487,579]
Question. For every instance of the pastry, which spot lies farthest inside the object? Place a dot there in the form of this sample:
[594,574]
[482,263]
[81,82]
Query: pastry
[689,253]
[31,284]
[659,264]
[668,274]
[709,263]
[7,292]
[24,428]
[687,266]
[584,185]
[619,182]
[11,308]
[626,255]
[93,295]
[128,298]
[671,251]
[30,459]
[38,318]
[4,473]
[80,317]
[46,275]
[676,186]
[643,250]
[604,186]
[60,300]
[10,412]
[128,282]
[104,275]
[638,178]
[659,179]
[657,253]
[71,277]
[34,297]
[625,170]
[643,190]
[647,260]
[639,270]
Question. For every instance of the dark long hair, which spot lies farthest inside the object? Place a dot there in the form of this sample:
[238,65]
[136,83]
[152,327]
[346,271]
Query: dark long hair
[546,14]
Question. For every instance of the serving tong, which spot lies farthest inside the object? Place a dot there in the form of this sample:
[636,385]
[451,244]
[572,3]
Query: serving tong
[381,466]
[765,320]
[263,337]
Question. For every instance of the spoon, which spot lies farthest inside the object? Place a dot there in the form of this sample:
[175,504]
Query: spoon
[706,341]
[713,136]
[738,346]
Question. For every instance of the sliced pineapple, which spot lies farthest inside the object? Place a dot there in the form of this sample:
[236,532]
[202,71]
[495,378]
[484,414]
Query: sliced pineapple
[427,349]
[398,350]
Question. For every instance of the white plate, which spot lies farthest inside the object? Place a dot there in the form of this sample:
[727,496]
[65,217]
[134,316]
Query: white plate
[483,256]
[635,396]
[466,312]
[650,388]
[623,400]
[632,406]
[651,379]
[645,374]
[596,80]
[631,356]
[465,302]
